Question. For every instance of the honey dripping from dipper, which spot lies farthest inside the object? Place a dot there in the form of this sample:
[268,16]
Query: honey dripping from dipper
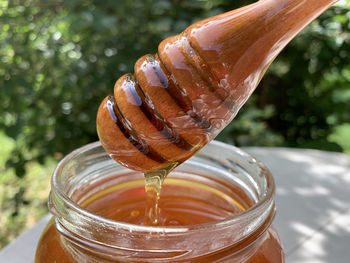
[181,98]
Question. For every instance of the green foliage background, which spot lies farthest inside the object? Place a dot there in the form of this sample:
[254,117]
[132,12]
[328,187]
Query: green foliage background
[59,59]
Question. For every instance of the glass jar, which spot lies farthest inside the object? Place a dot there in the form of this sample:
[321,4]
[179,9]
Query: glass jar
[78,235]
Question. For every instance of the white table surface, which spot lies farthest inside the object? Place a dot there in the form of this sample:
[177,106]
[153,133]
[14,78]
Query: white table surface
[313,207]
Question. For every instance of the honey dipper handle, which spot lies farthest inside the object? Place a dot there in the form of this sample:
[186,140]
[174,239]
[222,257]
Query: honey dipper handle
[238,46]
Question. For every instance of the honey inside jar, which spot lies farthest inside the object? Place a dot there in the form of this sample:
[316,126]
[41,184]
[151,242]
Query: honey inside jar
[183,202]
[189,198]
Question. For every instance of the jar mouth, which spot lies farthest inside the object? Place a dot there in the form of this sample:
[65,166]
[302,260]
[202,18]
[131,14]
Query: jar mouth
[263,204]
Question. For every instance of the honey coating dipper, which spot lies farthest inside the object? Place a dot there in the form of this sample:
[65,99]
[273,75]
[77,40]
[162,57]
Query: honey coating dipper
[182,97]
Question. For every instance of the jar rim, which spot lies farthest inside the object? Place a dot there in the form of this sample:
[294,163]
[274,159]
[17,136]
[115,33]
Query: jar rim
[263,203]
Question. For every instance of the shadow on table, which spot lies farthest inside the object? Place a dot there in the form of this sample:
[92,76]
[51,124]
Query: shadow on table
[313,202]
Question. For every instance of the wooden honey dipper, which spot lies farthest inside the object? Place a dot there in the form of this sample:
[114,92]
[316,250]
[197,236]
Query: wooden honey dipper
[181,98]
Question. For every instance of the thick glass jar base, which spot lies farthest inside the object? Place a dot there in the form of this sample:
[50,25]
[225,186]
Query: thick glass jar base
[267,250]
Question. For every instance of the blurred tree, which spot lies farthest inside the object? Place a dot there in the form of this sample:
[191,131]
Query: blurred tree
[309,84]
[60,58]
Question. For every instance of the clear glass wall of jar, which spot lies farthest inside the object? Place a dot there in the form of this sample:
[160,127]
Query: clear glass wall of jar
[77,235]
